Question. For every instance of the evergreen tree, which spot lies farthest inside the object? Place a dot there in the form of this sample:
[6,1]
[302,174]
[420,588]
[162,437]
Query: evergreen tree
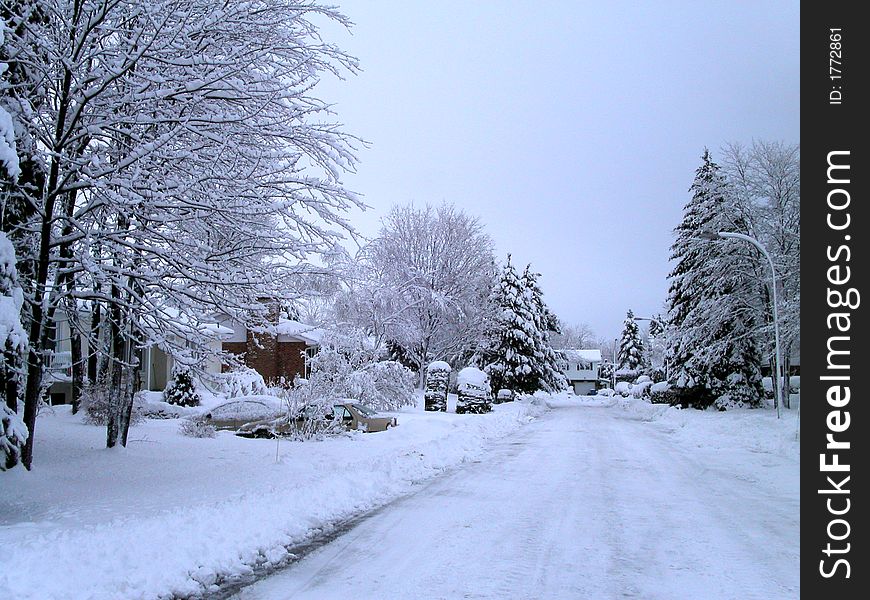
[13,341]
[712,299]
[510,355]
[631,350]
[546,364]
[181,390]
[519,355]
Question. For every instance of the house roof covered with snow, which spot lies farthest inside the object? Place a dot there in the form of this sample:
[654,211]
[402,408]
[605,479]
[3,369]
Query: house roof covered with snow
[307,333]
[582,355]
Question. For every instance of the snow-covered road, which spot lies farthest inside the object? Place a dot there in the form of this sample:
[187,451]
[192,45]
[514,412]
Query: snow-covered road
[584,503]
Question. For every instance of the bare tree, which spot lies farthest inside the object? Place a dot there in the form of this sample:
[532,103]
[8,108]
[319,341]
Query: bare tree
[574,337]
[424,283]
[765,178]
[188,167]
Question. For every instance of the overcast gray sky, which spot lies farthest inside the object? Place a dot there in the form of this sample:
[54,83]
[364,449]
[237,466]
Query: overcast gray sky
[572,129]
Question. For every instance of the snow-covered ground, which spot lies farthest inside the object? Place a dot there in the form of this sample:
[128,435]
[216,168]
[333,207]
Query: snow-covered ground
[172,515]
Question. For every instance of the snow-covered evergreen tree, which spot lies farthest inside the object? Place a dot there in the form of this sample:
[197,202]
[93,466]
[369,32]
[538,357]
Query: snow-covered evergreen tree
[712,299]
[518,354]
[546,364]
[510,355]
[13,341]
[181,390]
[631,350]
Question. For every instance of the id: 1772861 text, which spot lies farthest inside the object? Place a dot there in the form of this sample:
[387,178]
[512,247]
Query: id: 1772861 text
[835,65]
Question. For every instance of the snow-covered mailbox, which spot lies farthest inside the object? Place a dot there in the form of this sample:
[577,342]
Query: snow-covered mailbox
[475,395]
[437,378]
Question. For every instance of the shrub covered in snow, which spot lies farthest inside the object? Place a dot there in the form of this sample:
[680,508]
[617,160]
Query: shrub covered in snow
[13,434]
[737,394]
[627,375]
[437,380]
[382,385]
[623,388]
[240,382]
[347,366]
[181,390]
[475,395]
[504,395]
[658,393]
[310,410]
[197,428]
[606,391]
[151,406]
[98,400]
[641,389]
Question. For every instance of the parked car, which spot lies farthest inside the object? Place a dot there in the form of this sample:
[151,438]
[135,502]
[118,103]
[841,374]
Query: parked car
[236,413]
[357,416]
[348,415]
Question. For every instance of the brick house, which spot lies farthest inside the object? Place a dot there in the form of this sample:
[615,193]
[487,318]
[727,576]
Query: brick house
[282,351]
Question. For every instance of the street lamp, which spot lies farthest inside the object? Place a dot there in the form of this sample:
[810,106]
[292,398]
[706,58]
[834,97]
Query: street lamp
[710,235]
[613,371]
[662,326]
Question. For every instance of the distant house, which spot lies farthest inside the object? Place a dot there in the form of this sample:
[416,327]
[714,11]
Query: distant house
[157,364]
[581,369]
[278,352]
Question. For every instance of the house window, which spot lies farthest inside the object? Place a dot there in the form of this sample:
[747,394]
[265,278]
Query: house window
[310,352]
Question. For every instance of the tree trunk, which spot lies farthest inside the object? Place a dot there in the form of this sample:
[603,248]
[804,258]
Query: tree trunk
[11,364]
[36,351]
[75,345]
[116,368]
[95,345]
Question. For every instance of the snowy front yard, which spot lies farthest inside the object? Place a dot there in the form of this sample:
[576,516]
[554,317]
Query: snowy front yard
[169,514]
[172,515]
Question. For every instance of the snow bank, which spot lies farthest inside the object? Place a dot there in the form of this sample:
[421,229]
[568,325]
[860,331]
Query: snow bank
[173,515]
[569,400]
[757,430]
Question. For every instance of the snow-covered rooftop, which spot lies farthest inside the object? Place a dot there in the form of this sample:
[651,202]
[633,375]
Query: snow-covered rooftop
[583,355]
[307,333]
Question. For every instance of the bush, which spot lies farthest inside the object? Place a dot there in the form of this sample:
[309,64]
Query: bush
[685,397]
[641,389]
[181,391]
[349,372]
[656,373]
[310,410]
[623,388]
[13,434]
[626,374]
[475,394]
[738,394]
[197,428]
[157,409]
[240,382]
[437,381]
[99,400]
[384,385]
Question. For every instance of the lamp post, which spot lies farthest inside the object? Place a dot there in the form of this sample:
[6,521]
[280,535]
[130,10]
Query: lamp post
[613,370]
[709,235]
[662,326]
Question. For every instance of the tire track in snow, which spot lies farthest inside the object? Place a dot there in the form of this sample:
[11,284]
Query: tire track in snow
[581,504]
